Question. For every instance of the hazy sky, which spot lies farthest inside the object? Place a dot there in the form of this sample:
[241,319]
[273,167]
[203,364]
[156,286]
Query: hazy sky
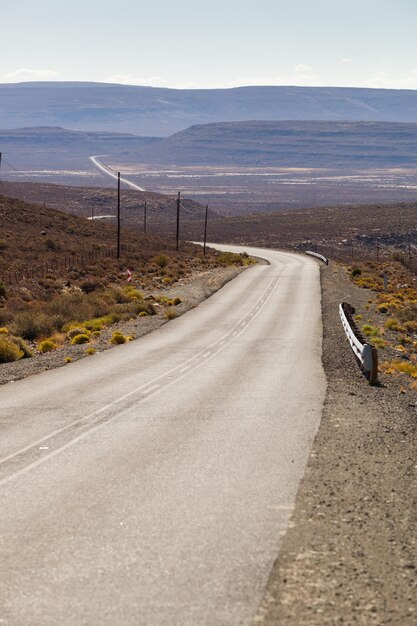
[215,43]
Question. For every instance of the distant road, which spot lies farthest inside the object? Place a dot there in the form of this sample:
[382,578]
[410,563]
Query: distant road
[149,485]
[107,170]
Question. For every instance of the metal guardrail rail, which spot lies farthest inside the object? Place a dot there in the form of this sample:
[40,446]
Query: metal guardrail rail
[365,353]
[318,256]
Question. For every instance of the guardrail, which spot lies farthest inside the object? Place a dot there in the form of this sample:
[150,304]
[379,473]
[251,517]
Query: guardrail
[365,353]
[318,256]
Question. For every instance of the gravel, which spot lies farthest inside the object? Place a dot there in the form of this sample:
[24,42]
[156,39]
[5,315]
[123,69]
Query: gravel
[191,290]
[349,556]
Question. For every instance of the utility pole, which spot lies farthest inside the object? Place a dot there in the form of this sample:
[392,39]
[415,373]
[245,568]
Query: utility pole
[144,218]
[205,231]
[178,218]
[118,216]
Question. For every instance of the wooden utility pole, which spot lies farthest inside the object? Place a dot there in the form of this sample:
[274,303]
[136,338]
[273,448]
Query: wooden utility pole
[178,218]
[144,218]
[205,231]
[118,215]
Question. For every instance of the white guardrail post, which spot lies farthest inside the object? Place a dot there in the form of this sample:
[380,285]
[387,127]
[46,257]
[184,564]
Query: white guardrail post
[318,256]
[365,353]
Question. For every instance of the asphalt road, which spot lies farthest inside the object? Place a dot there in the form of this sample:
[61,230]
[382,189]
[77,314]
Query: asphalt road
[150,484]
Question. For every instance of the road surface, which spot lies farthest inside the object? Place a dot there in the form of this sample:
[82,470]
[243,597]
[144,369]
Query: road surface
[109,172]
[150,484]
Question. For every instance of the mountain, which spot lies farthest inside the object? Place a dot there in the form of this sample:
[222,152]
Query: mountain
[162,112]
[345,145]
[290,144]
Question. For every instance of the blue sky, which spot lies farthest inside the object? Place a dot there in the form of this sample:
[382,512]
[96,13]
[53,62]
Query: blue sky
[185,44]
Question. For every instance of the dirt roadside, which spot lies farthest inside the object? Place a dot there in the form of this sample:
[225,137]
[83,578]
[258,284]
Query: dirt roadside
[350,554]
[191,290]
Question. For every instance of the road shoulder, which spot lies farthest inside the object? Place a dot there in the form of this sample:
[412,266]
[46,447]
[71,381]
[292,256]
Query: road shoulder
[350,555]
[191,290]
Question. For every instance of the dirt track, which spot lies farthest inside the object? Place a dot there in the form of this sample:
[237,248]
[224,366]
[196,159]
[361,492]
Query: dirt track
[350,556]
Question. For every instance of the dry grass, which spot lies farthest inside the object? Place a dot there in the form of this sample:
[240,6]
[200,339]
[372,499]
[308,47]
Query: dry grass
[392,313]
[75,303]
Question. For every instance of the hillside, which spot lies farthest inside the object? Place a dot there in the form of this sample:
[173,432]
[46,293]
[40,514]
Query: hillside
[291,144]
[97,203]
[34,237]
[161,112]
[251,143]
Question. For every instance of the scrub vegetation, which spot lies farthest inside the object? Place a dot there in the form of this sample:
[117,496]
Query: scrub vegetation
[391,313]
[60,282]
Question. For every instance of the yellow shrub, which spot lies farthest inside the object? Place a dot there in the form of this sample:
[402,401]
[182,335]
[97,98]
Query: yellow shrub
[47,345]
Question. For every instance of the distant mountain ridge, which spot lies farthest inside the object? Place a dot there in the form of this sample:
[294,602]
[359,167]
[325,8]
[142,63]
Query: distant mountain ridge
[151,111]
[346,145]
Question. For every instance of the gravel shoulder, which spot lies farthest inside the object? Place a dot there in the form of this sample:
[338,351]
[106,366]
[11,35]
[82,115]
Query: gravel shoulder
[350,554]
[191,290]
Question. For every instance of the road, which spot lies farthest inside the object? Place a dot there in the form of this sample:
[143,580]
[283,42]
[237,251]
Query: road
[109,172]
[150,484]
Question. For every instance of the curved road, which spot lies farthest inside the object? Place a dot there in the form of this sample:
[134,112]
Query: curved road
[150,484]
[109,172]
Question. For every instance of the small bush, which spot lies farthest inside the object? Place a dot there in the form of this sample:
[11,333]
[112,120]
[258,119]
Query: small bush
[400,367]
[230,258]
[161,259]
[90,285]
[143,314]
[378,342]
[4,330]
[410,326]
[90,351]
[356,272]
[47,345]
[51,244]
[177,301]
[170,314]
[23,346]
[79,339]
[393,324]
[118,338]
[68,359]
[370,331]
[32,324]
[132,293]
[9,351]
[77,330]
[2,290]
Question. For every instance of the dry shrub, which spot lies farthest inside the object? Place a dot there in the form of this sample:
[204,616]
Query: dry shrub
[77,330]
[9,351]
[47,345]
[23,346]
[32,324]
[118,338]
[170,314]
[161,260]
[79,339]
